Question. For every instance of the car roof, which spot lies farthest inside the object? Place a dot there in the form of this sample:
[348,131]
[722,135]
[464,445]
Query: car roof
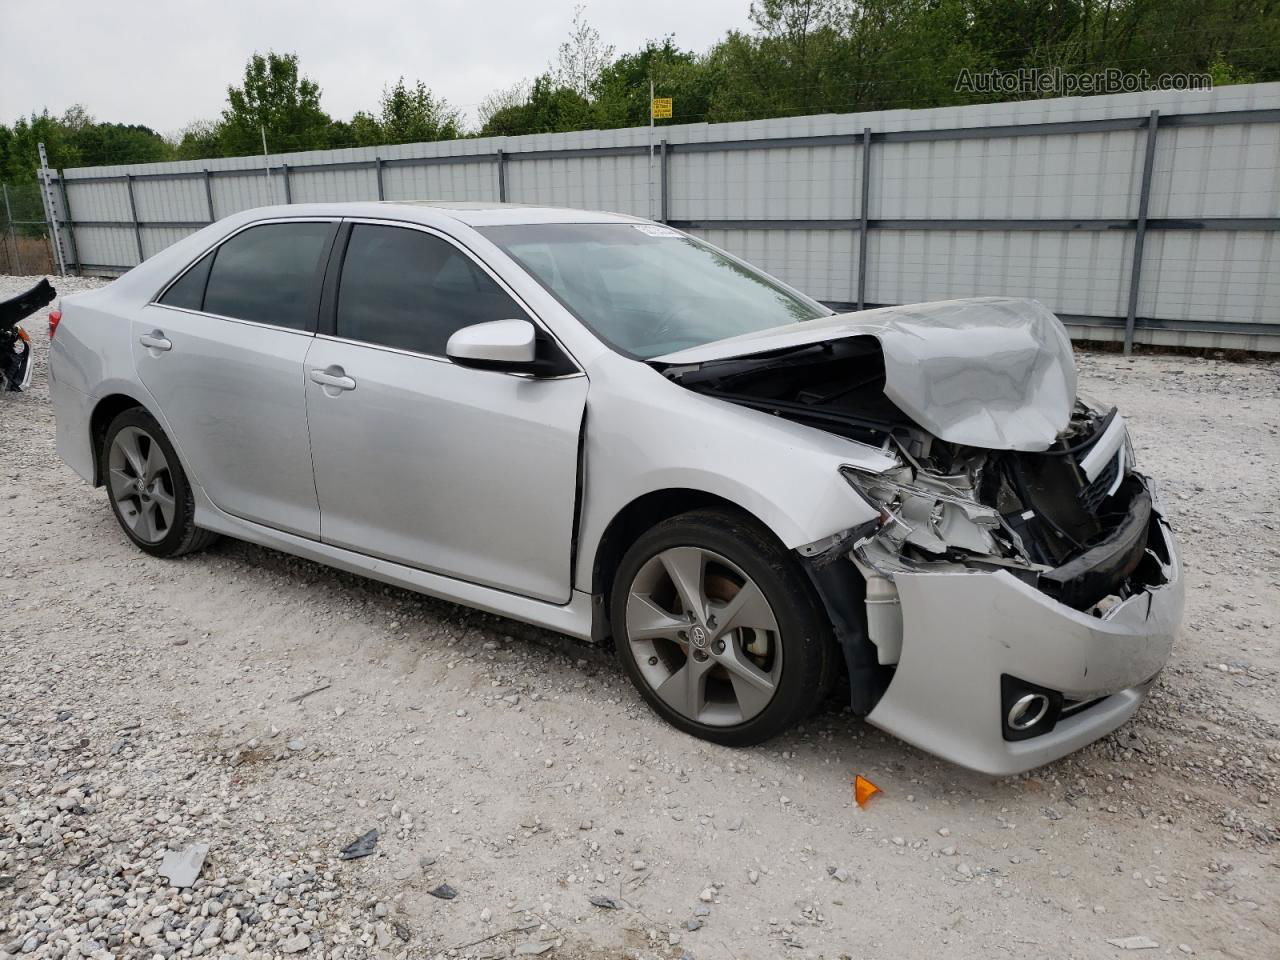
[475,213]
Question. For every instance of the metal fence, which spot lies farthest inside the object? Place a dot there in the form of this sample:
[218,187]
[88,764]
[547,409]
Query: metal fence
[25,247]
[1148,217]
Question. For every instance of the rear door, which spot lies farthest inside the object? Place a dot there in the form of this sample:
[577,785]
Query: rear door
[222,353]
[464,472]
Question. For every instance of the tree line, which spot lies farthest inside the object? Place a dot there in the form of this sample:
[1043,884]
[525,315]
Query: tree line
[797,57]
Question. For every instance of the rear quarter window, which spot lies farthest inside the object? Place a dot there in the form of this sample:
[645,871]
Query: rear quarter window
[188,291]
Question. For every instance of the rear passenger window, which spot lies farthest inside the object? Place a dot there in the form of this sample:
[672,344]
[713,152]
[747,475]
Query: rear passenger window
[410,290]
[188,291]
[269,274]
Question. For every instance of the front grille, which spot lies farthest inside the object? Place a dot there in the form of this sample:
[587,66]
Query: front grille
[1095,491]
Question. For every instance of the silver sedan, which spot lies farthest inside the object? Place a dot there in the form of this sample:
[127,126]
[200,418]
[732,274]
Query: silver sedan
[609,428]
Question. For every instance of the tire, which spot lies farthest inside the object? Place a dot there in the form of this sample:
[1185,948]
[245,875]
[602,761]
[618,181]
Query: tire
[727,553]
[159,515]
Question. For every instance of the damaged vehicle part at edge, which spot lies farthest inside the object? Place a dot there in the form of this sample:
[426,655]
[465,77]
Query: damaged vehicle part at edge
[1000,470]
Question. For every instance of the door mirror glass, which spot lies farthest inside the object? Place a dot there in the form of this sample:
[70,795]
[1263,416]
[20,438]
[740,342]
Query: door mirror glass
[496,345]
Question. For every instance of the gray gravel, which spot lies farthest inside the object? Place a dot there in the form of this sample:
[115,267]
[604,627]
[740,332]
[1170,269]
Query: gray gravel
[147,705]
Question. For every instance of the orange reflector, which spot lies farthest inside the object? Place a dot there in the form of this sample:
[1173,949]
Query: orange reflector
[863,790]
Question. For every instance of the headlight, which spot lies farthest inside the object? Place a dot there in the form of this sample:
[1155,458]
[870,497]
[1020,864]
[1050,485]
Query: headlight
[933,514]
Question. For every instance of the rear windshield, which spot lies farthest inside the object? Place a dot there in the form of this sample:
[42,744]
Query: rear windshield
[647,290]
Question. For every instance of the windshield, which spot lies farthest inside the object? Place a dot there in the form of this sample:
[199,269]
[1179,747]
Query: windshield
[646,289]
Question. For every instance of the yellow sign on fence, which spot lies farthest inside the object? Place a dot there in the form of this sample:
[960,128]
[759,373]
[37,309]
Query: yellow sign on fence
[662,108]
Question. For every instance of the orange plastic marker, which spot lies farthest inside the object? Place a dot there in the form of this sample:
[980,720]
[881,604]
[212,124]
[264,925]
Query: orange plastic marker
[863,790]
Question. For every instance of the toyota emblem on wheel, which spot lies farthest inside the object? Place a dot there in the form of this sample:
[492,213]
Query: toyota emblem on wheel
[699,637]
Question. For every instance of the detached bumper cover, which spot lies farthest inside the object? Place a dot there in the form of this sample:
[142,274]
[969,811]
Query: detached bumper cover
[962,631]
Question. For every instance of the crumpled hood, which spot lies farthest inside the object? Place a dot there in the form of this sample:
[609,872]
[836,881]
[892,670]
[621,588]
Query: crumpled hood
[991,372]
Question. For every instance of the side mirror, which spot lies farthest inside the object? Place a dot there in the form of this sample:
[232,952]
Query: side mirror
[496,345]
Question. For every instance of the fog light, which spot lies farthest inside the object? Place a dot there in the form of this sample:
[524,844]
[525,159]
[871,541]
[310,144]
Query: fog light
[1027,711]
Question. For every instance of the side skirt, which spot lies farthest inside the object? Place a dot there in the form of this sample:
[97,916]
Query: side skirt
[573,618]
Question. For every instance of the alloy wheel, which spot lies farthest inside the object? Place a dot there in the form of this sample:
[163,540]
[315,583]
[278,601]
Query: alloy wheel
[704,637]
[141,484]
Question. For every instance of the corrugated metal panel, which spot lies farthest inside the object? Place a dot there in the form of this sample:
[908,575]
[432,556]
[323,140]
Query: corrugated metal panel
[1073,273]
[1193,274]
[165,200]
[1227,171]
[108,246]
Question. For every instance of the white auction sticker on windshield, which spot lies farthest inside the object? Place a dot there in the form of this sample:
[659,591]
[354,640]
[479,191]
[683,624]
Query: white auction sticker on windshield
[653,230]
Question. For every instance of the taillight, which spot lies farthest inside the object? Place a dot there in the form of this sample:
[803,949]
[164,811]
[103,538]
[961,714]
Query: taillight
[55,318]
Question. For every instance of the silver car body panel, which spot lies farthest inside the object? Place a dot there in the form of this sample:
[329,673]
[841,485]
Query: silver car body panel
[646,434]
[217,375]
[989,372]
[961,631]
[403,459]
[481,510]
[572,618]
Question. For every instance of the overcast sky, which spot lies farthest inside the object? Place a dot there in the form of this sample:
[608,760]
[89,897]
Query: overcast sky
[165,64]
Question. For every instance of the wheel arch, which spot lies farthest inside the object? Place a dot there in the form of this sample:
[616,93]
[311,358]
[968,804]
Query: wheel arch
[632,520]
[106,409]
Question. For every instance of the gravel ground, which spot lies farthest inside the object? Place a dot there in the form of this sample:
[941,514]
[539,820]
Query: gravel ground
[148,705]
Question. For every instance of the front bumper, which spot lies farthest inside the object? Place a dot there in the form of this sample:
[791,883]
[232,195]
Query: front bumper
[963,630]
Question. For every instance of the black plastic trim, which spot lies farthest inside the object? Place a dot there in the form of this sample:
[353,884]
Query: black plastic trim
[1011,690]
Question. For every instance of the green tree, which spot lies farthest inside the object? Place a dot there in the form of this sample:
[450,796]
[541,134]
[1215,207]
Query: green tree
[277,98]
[549,109]
[515,95]
[22,153]
[582,57]
[407,115]
[199,140]
[105,143]
[622,91]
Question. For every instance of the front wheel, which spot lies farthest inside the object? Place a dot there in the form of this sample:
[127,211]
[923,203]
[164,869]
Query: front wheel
[148,488]
[719,629]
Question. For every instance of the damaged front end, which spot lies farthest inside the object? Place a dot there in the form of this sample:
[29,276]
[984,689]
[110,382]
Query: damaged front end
[1076,521]
[1018,576]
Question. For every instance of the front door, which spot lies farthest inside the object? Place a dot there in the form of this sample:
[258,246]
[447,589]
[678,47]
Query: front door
[464,472]
[222,352]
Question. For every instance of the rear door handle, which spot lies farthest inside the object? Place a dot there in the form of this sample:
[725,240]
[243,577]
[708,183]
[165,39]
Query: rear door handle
[156,340]
[334,377]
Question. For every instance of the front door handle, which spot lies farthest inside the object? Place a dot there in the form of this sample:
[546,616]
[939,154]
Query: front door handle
[334,377]
[156,340]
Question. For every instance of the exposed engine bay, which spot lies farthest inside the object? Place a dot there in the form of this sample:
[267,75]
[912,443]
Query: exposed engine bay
[1074,520]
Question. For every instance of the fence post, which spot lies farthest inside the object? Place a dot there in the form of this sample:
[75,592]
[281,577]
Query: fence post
[862,217]
[284,172]
[50,210]
[13,234]
[663,194]
[133,213]
[502,177]
[1140,236]
[71,224]
[208,193]
[377,169]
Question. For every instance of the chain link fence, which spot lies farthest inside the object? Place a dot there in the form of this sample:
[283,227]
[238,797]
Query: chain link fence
[25,247]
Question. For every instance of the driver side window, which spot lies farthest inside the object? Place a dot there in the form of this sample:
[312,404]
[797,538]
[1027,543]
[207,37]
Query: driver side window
[410,290]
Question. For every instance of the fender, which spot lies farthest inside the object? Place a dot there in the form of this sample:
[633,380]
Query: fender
[784,473]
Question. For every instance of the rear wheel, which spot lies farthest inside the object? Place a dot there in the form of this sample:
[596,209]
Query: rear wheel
[148,488]
[719,629]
